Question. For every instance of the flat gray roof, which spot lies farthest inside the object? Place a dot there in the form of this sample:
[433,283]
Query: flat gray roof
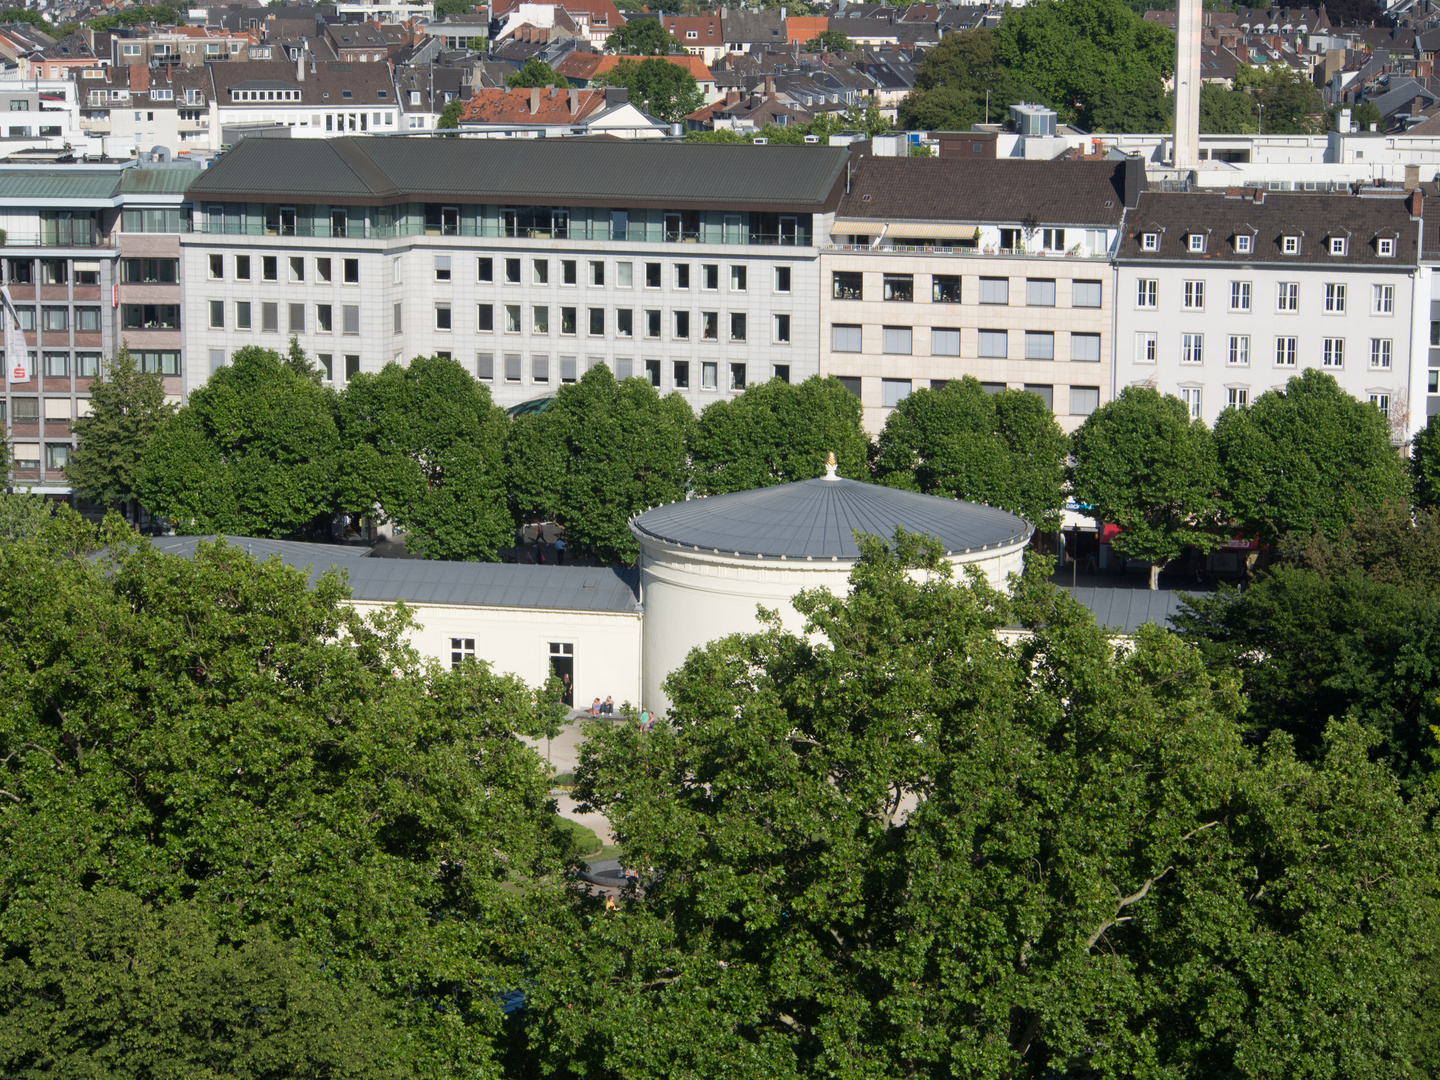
[420,581]
[1126,610]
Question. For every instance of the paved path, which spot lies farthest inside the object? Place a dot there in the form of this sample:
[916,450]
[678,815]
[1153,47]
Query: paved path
[563,752]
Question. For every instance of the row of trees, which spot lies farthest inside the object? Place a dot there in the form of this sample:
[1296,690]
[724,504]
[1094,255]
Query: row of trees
[249,834]
[264,449]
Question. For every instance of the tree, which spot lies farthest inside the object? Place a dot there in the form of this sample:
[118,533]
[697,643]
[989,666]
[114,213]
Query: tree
[1225,112]
[1075,50]
[1392,544]
[602,452]
[426,444]
[1305,458]
[254,452]
[643,36]
[666,91]
[297,361]
[1142,464]
[127,408]
[956,80]
[896,845]
[1425,464]
[829,41]
[535,72]
[24,15]
[151,991]
[446,8]
[450,116]
[1291,102]
[777,433]
[1003,449]
[220,732]
[1144,108]
[1365,114]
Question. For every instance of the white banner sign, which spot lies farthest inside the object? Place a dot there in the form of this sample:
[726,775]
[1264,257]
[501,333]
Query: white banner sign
[17,353]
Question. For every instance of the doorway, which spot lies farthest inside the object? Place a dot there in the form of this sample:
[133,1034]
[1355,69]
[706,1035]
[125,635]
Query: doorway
[562,666]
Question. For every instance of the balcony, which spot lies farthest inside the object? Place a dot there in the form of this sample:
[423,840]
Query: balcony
[631,235]
[37,240]
[971,251]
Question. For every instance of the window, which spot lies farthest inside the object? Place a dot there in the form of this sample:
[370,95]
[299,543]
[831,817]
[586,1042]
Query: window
[709,375]
[1284,352]
[485,269]
[944,342]
[682,326]
[350,319]
[1085,294]
[540,369]
[322,270]
[1045,393]
[994,290]
[1382,300]
[1239,397]
[442,267]
[352,366]
[1040,292]
[1380,349]
[132,271]
[25,409]
[512,271]
[540,319]
[682,275]
[442,317]
[710,325]
[597,272]
[844,338]
[87,320]
[1381,402]
[57,366]
[568,373]
[270,317]
[1146,348]
[680,372]
[485,318]
[710,276]
[568,321]
[567,271]
[898,287]
[893,391]
[1335,299]
[1194,296]
[87,366]
[1085,348]
[352,272]
[512,318]
[297,268]
[597,322]
[1385,247]
[55,318]
[652,275]
[150,316]
[652,373]
[1039,345]
[57,455]
[738,279]
[1290,245]
[945,288]
[993,343]
[512,367]
[737,326]
[269,268]
[26,315]
[217,314]
[1334,353]
[1196,242]
[782,279]
[217,267]
[624,275]
[324,320]
[782,329]
[1084,400]
[1244,243]
[461,649]
[1287,296]
[737,376]
[847,285]
[242,315]
[1239,296]
[485,366]
[540,272]
[624,322]
[1239,350]
[897,340]
[1337,245]
[1146,292]
[1190,395]
[1149,241]
[54,272]
[1192,348]
[652,323]
[21,271]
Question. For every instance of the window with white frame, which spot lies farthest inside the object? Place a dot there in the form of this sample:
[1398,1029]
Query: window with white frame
[1239,350]
[1337,245]
[1244,243]
[1290,245]
[1146,348]
[1381,402]
[1190,395]
[1382,300]
[1284,352]
[1149,241]
[1194,295]
[1333,355]
[1147,292]
[1196,241]
[1385,247]
[1335,298]
[1287,296]
[1380,351]
[461,649]
[1192,348]
[1239,396]
[1239,296]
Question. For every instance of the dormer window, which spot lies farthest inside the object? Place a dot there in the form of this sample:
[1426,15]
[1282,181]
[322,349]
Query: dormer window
[1290,245]
[1196,241]
[1337,245]
[1243,243]
[1385,247]
[1150,241]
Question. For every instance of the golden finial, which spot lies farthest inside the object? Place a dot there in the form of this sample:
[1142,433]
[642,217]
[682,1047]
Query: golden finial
[830,466]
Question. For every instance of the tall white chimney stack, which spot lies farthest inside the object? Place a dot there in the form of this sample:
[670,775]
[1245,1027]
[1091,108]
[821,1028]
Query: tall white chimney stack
[1187,83]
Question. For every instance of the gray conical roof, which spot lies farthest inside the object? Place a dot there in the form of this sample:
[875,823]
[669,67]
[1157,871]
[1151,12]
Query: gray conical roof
[818,519]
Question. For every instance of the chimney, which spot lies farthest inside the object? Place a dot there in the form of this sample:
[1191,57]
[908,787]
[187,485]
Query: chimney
[769,85]
[1424,69]
[1412,177]
[616,95]
[574,101]
[300,64]
[1417,106]
[1416,204]
[732,97]
[1134,181]
[1342,122]
[534,100]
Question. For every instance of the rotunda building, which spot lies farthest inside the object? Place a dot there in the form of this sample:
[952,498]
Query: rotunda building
[706,564]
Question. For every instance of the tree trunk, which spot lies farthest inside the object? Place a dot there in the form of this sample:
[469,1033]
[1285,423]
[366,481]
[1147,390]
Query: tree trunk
[1154,576]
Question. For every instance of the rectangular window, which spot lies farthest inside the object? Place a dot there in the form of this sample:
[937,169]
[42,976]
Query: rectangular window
[624,275]
[1290,245]
[1239,296]
[1333,355]
[485,269]
[54,272]
[709,375]
[652,373]
[1381,402]
[847,285]
[512,318]
[944,342]
[898,287]
[652,323]
[1149,241]
[1146,348]
[567,321]
[1194,295]
[22,271]
[57,366]
[567,271]
[540,274]
[1085,348]
[737,376]
[710,325]
[350,318]
[87,366]
[993,343]
[1380,349]
[485,318]
[945,288]
[994,290]
[844,338]
[1335,299]
[1192,348]
[739,279]
[270,317]
[782,329]
[1146,293]
[737,326]
[624,322]
[297,268]
[461,649]
[1244,242]
[897,340]
[680,370]
[540,319]
[242,315]
[1039,345]
[682,325]
[893,391]
[217,314]
[1084,400]
[297,319]
[1040,292]
[682,275]
[87,320]
[1337,245]
[217,267]
[597,322]
[150,316]
[25,409]
[269,268]
[442,316]
[652,275]
[442,267]
[1284,352]
[710,276]
[397,316]
[1385,247]
[1287,297]
[322,270]
[568,373]
[55,318]
[1197,242]
[512,271]
[1045,393]
[1239,396]
[351,272]
[1383,300]
[540,369]
[352,366]
[512,367]
[1190,395]
[597,272]
[485,366]
[1086,294]
[57,455]
[324,318]
[782,279]
[1239,350]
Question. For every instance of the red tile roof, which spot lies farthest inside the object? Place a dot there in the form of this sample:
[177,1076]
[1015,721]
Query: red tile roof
[549,106]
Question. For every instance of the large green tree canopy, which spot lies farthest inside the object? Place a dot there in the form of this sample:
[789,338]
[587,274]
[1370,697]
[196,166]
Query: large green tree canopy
[664,90]
[955,82]
[1003,449]
[127,406]
[642,36]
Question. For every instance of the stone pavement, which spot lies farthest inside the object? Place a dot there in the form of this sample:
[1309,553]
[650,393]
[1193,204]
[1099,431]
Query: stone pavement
[563,752]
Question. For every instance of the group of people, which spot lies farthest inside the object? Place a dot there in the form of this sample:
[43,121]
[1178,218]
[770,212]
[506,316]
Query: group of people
[607,708]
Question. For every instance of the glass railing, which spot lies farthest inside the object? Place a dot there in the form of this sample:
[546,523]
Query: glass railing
[386,232]
[940,249]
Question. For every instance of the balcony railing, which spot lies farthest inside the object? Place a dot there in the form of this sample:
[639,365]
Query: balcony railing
[37,240]
[385,232]
[937,249]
